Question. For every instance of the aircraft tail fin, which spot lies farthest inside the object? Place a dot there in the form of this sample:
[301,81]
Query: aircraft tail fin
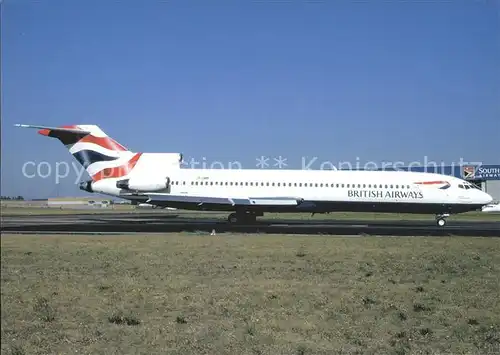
[100,155]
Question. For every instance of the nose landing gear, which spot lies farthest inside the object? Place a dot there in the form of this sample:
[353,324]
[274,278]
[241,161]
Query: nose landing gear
[441,219]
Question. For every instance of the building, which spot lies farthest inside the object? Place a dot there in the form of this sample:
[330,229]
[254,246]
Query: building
[78,202]
[486,177]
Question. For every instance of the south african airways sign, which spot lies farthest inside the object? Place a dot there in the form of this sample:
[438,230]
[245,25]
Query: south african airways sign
[481,172]
[465,171]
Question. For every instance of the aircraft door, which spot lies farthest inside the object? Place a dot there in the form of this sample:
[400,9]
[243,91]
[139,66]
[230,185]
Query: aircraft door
[169,185]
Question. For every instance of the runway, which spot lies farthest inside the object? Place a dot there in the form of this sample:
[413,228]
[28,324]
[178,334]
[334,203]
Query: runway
[121,223]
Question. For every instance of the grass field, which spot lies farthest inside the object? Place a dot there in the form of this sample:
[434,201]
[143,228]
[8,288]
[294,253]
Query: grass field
[238,294]
[470,216]
[21,210]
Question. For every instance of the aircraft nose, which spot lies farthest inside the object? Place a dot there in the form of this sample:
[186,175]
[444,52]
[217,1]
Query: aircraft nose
[486,198]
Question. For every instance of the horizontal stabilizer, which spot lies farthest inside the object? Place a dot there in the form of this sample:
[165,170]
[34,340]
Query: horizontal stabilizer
[70,129]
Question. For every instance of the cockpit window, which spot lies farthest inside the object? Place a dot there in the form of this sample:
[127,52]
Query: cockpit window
[461,186]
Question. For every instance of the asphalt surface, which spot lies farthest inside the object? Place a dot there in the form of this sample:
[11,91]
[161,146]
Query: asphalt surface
[121,223]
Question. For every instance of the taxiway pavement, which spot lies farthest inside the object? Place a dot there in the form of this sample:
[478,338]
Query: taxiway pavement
[162,223]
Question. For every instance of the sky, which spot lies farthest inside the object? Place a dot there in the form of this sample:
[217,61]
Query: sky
[318,83]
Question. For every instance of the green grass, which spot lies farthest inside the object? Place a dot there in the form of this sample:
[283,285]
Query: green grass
[16,211]
[238,294]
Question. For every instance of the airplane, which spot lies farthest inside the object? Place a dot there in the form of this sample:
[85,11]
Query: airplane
[491,208]
[158,179]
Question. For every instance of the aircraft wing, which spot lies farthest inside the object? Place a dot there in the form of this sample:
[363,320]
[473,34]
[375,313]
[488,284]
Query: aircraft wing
[205,201]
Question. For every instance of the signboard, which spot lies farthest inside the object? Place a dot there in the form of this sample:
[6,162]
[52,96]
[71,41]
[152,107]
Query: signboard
[466,172]
[481,172]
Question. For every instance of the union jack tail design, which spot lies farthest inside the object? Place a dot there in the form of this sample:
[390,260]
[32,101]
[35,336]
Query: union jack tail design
[100,155]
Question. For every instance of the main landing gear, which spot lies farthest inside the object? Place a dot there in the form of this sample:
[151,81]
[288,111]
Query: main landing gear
[242,217]
[441,219]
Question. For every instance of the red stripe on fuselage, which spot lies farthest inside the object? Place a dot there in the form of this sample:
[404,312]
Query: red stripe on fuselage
[431,182]
[118,171]
[105,142]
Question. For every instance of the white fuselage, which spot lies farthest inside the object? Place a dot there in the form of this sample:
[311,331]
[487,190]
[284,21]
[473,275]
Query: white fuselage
[329,190]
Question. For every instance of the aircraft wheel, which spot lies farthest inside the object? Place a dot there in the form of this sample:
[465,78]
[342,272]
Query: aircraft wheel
[250,218]
[233,218]
[441,222]
[237,218]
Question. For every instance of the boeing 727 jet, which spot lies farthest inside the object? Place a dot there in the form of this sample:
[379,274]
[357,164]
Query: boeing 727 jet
[158,179]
